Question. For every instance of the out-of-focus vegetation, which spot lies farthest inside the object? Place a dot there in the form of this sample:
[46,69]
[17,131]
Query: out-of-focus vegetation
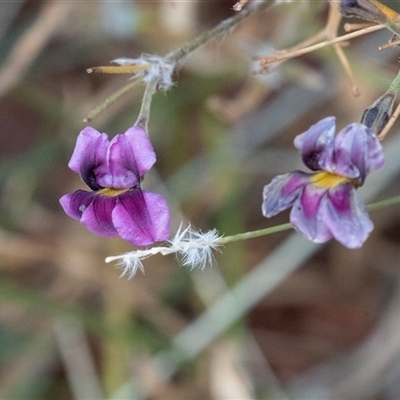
[70,328]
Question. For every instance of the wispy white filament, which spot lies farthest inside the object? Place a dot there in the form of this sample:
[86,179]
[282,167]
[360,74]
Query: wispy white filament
[194,248]
[160,69]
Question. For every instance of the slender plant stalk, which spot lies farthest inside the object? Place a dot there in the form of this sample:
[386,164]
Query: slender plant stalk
[384,203]
[176,57]
[391,122]
[111,100]
[144,113]
[310,49]
[395,88]
[115,352]
[287,226]
[255,234]
[181,53]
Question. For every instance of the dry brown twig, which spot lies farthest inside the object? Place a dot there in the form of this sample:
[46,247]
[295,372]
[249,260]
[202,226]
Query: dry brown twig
[314,43]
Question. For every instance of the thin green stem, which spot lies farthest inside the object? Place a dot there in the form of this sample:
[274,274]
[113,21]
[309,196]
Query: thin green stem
[395,85]
[287,226]
[180,54]
[393,27]
[177,56]
[111,100]
[384,203]
[254,234]
[144,113]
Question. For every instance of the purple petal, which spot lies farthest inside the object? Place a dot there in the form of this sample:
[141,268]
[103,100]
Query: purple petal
[316,144]
[357,152]
[346,217]
[89,156]
[142,149]
[74,204]
[306,216]
[141,218]
[282,192]
[122,172]
[97,216]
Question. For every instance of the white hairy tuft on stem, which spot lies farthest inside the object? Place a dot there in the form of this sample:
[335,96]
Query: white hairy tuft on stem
[194,248]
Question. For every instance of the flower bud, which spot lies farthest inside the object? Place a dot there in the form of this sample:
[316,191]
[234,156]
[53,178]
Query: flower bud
[370,10]
[377,115]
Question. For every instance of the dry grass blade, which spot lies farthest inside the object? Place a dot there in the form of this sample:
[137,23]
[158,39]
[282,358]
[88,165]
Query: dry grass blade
[32,42]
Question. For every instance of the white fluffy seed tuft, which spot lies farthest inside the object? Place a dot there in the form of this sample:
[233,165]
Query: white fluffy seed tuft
[193,248]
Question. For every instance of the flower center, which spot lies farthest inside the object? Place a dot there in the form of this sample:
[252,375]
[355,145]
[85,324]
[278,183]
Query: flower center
[329,180]
[111,192]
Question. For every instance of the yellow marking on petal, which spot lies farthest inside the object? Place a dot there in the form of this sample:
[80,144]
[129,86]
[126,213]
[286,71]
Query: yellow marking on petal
[328,180]
[111,192]
[388,12]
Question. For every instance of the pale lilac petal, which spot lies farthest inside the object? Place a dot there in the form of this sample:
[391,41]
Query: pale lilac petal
[74,204]
[122,172]
[316,145]
[97,216]
[89,156]
[141,218]
[357,152]
[345,216]
[282,192]
[142,149]
[306,216]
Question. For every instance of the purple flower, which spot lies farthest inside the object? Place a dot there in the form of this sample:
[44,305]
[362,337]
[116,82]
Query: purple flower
[325,203]
[117,206]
